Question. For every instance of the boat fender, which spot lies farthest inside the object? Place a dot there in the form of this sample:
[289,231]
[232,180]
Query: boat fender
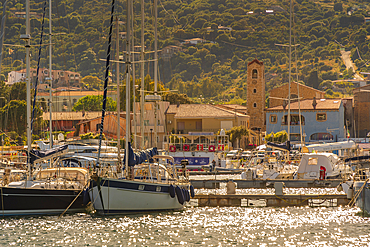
[171,190]
[192,191]
[179,194]
[86,197]
[187,195]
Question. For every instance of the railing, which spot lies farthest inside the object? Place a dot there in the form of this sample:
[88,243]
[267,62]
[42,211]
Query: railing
[186,131]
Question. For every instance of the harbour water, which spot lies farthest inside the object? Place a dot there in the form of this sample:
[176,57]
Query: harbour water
[196,226]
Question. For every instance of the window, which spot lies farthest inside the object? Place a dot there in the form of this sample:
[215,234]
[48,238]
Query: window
[159,122]
[321,137]
[198,125]
[321,117]
[180,125]
[74,101]
[312,161]
[273,119]
[146,122]
[98,127]
[254,105]
[294,119]
[254,90]
[254,74]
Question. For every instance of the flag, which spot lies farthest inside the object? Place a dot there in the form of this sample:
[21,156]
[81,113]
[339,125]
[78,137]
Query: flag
[348,135]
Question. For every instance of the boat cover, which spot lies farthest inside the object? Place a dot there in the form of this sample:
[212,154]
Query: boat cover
[283,146]
[357,158]
[136,158]
[38,154]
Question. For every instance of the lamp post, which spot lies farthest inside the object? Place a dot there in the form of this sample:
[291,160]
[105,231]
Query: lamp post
[151,137]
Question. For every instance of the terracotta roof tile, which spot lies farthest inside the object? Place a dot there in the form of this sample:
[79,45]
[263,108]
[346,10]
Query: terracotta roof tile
[322,104]
[200,111]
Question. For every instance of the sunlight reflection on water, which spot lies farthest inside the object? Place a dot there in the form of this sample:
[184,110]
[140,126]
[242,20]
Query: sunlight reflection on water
[242,226]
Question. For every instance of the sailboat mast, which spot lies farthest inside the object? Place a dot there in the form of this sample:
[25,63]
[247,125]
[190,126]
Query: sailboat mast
[50,79]
[127,84]
[142,133]
[155,69]
[290,67]
[118,97]
[2,34]
[28,44]
[133,77]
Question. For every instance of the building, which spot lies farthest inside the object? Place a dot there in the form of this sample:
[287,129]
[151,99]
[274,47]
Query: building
[235,108]
[277,95]
[186,118]
[60,77]
[256,94]
[149,120]
[67,121]
[110,125]
[193,41]
[361,106]
[321,119]
[167,52]
[219,28]
[20,14]
[65,100]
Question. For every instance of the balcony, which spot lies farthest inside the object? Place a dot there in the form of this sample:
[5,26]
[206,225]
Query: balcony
[186,131]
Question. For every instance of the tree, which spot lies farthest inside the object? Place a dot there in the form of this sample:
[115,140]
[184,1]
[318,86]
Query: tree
[236,133]
[94,103]
[92,82]
[18,91]
[175,98]
[279,137]
[338,7]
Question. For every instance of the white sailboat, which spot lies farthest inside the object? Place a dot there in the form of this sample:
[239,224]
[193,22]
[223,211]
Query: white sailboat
[143,186]
[50,191]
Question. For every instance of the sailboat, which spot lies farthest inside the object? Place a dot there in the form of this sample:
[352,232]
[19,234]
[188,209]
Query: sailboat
[145,184]
[48,191]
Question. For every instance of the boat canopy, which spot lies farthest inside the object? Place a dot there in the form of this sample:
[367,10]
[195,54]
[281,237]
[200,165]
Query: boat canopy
[331,146]
[38,155]
[312,163]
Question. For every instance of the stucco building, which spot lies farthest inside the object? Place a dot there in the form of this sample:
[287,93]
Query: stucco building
[321,120]
[60,77]
[65,100]
[305,92]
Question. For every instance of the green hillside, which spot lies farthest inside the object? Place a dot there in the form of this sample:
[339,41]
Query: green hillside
[214,70]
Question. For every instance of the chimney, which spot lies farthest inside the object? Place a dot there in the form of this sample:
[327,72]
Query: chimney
[314,103]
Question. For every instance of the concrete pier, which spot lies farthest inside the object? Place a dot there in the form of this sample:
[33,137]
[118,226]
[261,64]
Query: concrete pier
[267,183]
[271,200]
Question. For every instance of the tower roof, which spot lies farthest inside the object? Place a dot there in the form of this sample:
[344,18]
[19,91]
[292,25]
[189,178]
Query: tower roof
[256,61]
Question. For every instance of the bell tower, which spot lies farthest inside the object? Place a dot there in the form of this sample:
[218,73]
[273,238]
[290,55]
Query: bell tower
[256,94]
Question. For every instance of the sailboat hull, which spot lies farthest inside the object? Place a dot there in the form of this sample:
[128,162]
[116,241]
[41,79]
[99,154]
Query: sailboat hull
[119,196]
[25,201]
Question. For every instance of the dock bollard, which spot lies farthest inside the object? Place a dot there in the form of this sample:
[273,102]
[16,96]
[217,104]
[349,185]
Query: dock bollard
[279,188]
[230,187]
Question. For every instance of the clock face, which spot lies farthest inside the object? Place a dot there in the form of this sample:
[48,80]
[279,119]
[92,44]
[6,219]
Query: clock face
[254,81]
